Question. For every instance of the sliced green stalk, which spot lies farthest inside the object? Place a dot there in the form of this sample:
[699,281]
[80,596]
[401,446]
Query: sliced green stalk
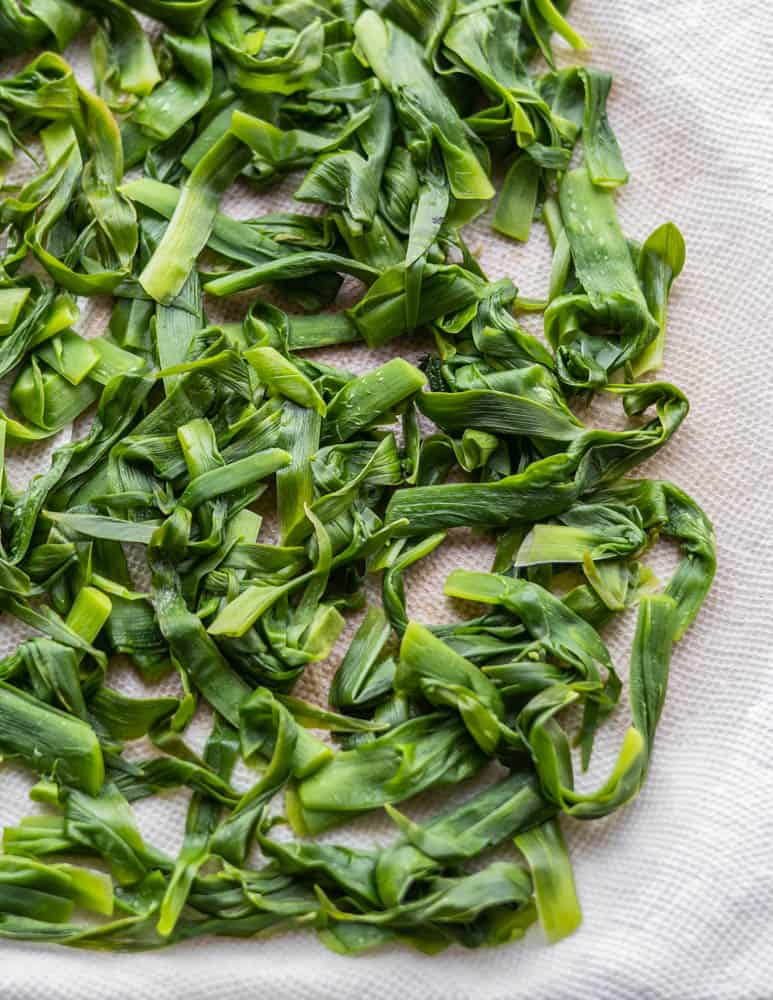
[551,871]
[365,399]
[283,377]
[188,231]
[49,741]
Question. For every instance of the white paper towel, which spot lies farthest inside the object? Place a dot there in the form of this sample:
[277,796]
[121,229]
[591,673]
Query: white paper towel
[676,889]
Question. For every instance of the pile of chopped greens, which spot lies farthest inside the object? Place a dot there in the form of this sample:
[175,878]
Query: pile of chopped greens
[400,116]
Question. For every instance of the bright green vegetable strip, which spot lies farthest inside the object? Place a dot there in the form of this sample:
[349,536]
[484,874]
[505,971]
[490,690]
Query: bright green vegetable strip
[666,509]
[188,231]
[12,302]
[183,15]
[478,40]
[551,870]
[356,681]
[97,526]
[299,434]
[499,413]
[49,740]
[122,56]
[47,399]
[311,716]
[88,613]
[70,355]
[650,659]
[518,199]
[361,402]
[559,24]
[660,262]
[129,718]
[242,613]
[602,153]
[166,108]
[233,477]
[287,148]
[599,250]
[176,326]
[320,331]
[599,531]
[282,376]
[297,265]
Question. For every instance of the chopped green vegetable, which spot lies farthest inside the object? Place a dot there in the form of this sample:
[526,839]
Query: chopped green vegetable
[49,740]
[403,119]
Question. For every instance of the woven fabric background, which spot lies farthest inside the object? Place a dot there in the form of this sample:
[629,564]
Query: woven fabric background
[676,889]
